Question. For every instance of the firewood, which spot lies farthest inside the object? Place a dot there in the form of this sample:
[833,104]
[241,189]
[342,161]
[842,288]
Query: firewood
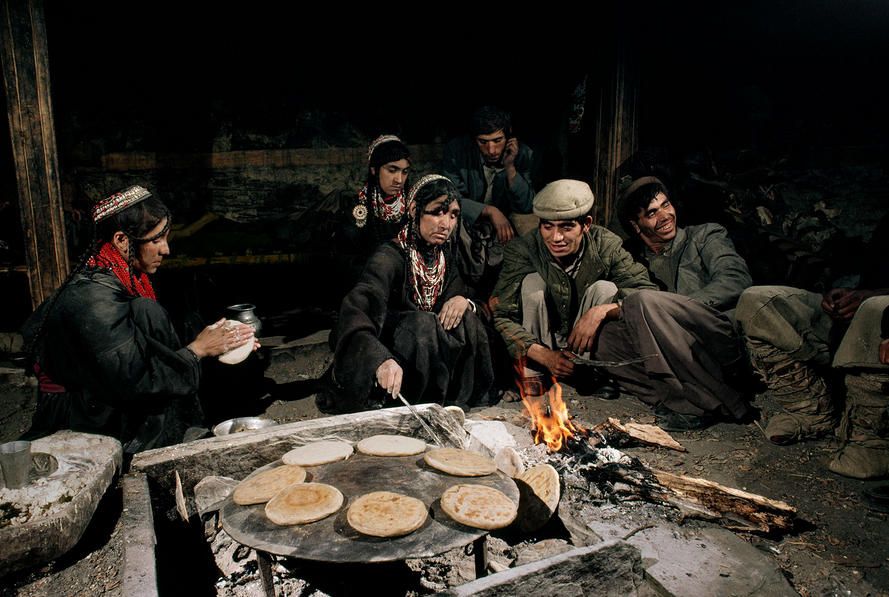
[618,434]
[738,510]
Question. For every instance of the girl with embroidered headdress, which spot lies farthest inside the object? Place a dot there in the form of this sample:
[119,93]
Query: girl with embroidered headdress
[408,323]
[379,211]
[106,356]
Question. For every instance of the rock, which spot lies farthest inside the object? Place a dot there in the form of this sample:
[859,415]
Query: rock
[613,568]
[541,550]
[211,491]
[697,561]
[509,462]
[51,513]
[489,437]
[139,568]
[458,413]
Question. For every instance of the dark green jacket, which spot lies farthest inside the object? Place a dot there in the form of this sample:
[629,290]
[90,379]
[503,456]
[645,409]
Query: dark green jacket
[604,259]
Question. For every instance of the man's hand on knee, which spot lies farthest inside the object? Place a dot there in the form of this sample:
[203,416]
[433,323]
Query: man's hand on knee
[583,336]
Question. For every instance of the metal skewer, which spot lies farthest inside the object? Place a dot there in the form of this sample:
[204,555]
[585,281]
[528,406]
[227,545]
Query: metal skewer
[414,412]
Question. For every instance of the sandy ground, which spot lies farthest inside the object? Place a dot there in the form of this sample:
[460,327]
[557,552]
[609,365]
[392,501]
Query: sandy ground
[839,547]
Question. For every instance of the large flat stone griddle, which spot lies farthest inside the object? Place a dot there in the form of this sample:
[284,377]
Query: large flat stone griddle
[333,540]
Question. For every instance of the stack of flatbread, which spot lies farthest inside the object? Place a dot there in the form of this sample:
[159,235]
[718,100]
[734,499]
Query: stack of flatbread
[386,514]
[460,463]
[263,486]
[478,506]
[391,445]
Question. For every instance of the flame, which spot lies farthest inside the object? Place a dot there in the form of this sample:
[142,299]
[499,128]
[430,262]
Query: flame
[550,422]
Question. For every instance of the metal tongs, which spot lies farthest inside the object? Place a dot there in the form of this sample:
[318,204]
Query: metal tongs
[416,413]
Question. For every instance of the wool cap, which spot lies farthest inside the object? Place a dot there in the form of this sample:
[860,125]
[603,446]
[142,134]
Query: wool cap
[563,200]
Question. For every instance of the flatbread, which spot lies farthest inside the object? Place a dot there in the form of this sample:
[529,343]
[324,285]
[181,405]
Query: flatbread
[391,445]
[263,486]
[544,482]
[304,503]
[479,506]
[460,463]
[386,514]
[539,493]
[318,453]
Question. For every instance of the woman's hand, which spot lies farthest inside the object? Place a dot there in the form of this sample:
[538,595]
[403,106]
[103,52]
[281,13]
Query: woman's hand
[220,337]
[452,312]
[389,376]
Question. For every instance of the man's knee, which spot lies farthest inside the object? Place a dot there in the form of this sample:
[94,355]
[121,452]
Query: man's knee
[599,293]
[872,309]
[533,290]
[756,298]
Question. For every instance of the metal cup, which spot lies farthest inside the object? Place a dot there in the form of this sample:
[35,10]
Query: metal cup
[15,461]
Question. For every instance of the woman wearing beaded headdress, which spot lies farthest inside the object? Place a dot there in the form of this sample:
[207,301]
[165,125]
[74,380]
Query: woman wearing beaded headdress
[379,211]
[408,322]
[106,356]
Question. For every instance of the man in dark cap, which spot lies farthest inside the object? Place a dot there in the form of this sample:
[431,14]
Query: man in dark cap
[699,262]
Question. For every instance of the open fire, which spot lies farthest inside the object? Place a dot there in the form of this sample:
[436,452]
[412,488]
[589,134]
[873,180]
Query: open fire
[550,422]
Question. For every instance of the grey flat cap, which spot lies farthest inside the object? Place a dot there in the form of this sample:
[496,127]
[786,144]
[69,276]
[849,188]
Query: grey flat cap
[563,200]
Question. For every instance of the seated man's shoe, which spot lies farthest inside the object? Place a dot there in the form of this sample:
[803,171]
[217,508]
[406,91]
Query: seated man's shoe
[861,462]
[877,498]
[594,384]
[787,428]
[670,420]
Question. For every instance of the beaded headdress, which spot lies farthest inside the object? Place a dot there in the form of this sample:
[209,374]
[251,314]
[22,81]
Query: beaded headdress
[119,202]
[412,194]
[379,141]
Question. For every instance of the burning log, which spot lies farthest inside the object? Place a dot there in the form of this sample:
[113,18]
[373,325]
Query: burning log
[594,456]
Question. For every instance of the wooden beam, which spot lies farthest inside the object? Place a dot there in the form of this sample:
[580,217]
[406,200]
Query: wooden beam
[26,73]
[256,158]
[616,129]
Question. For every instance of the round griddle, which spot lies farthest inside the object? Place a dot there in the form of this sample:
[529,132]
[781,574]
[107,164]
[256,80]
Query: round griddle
[333,540]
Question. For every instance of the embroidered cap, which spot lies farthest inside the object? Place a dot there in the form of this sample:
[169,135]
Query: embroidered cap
[379,141]
[563,200]
[119,201]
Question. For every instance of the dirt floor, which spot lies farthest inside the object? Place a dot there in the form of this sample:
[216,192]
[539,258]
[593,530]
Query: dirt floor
[839,547]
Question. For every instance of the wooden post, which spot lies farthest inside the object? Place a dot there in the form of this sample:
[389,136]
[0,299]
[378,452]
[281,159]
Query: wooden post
[616,132]
[26,72]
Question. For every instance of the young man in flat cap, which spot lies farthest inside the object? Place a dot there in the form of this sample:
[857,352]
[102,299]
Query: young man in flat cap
[569,289]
